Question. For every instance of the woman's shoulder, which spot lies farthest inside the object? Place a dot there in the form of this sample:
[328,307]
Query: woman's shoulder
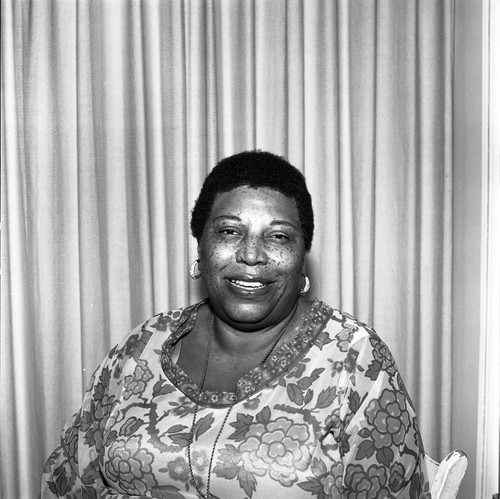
[169,321]
[343,328]
[357,344]
[345,320]
[337,319]
[160,327]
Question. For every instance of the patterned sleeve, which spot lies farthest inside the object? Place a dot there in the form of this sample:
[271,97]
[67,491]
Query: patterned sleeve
[381,444]
[72,470]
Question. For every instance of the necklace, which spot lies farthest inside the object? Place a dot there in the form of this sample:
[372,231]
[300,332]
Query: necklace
[207,494]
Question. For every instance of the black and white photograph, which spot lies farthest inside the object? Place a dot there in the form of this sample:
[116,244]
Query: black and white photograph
[250,249]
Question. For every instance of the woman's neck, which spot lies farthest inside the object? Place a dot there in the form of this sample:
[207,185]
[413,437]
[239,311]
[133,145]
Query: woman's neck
[231,341]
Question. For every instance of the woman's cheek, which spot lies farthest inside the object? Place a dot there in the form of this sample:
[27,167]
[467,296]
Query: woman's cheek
[287,258]
[219,255]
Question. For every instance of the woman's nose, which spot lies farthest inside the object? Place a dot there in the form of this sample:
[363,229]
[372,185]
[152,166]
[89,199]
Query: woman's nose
[252,251]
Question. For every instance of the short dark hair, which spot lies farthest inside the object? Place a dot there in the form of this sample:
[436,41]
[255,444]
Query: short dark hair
[255,169]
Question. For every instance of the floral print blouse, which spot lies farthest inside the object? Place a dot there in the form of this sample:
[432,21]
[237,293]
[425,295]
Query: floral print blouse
[326,416]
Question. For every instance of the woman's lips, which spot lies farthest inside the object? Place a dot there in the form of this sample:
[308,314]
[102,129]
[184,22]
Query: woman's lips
[248,284]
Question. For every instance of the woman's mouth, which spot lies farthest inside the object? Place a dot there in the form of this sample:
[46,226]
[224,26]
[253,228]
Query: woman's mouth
[247,285]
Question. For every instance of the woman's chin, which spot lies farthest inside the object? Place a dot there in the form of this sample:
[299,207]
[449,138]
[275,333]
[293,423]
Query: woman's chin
[248,318]
[254,316]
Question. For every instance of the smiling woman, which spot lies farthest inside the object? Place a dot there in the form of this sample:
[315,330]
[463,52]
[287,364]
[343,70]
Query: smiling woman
[255,390]
[252,257]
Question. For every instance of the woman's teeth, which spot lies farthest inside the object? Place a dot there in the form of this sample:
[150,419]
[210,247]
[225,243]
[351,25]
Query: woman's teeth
[247,284]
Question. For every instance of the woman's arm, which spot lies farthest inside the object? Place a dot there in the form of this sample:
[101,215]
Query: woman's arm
[383,448]
[72,470]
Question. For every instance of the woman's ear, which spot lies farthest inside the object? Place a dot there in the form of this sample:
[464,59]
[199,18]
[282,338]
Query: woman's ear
[198,249]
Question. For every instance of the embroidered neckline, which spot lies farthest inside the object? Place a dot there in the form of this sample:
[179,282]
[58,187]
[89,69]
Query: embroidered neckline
[279,363]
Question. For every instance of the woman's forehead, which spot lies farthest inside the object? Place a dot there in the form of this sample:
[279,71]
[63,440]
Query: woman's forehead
[262,201]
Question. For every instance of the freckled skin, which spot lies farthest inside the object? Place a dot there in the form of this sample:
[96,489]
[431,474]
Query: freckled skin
[251,260]
[255,235]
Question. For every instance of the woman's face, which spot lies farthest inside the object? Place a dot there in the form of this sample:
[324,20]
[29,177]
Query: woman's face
[252,256]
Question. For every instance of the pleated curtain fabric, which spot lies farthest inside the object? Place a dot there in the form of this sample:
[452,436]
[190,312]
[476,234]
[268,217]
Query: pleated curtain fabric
[114,111]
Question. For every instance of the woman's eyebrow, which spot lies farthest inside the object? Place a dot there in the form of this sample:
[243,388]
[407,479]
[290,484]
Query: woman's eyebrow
[227,217]
[235,218]
[284,222]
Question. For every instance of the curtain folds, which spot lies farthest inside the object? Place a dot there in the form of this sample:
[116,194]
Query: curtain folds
[114,111]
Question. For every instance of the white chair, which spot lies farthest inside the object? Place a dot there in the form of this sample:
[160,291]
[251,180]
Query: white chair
[445,477]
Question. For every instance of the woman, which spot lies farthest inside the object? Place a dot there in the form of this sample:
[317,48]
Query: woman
[256,391]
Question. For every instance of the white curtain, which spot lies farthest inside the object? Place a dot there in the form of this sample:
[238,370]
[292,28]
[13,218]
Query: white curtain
[113,112]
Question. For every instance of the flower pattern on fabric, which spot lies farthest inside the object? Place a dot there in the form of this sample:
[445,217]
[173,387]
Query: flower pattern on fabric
[396,477]
[162,322]
[344,339]
[382,359]
[325,482]
[183,407]
[200,461]
[298,370]
[136,384]
[350,360]
[93,420]
[179,469]
[130,466]
[326,416]
[365,482]
[417,490]
[276,448]
[335,426]
[131,426]
[389,421]
[133,347]
[71,441]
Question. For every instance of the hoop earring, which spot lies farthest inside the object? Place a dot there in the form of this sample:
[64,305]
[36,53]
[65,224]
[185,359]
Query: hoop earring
[307,285]
[192,270]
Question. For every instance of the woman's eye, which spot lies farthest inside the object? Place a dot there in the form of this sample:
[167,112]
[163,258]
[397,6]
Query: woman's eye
[280,237]
[228,232]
